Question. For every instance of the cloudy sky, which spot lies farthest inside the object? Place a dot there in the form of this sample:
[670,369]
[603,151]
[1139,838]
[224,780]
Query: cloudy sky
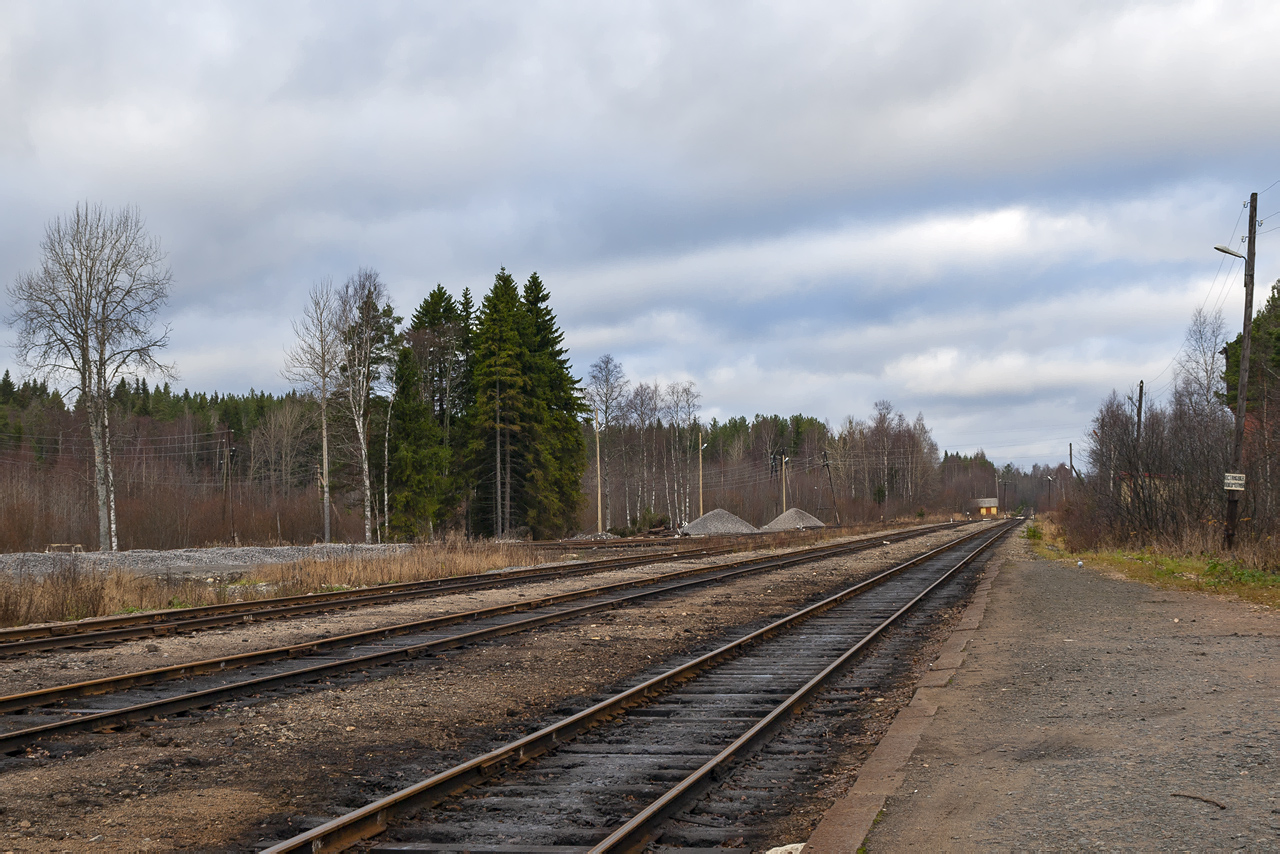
[989,212]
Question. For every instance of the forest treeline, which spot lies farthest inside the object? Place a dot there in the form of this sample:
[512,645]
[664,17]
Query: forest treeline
[467,419]
[1154,473]
[884,466]
[197,468]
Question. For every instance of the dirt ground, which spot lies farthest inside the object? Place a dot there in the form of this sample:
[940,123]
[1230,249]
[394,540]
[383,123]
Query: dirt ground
[1093,712]
[259,769]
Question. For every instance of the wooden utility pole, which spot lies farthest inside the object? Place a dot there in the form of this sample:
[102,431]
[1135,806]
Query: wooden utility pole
[599,488]
[784,484]
[1242,388]
[231,495]
[497,461]
[222,472]
[1139,437]
[826,463]
[700,447]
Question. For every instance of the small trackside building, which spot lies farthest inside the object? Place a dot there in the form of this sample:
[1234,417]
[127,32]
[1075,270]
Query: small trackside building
[984,507]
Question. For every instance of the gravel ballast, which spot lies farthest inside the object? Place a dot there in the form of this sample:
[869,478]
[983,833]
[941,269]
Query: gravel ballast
[792,519]
[718,522]
[255,769]
[151,561]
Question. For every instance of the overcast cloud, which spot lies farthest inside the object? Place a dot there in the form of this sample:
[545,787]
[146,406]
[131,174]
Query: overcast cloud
[992,213]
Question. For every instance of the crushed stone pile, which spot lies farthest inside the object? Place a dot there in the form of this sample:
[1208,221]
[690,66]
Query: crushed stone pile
[793,519]
[151,561]
[718,522]
[597,535]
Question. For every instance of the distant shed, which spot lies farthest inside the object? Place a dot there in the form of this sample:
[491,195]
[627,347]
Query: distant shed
[985,507]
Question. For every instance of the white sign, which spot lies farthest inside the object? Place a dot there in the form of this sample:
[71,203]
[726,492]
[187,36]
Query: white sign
[1234,482]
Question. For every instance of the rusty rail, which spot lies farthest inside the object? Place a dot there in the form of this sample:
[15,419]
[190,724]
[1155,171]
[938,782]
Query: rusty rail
[17,740]
[372,819]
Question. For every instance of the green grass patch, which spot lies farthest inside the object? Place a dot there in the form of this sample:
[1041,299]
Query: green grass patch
[1200,572]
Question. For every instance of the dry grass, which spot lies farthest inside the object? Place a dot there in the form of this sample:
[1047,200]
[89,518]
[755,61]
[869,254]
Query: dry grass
[1176,566]
[74,592]
[417,564]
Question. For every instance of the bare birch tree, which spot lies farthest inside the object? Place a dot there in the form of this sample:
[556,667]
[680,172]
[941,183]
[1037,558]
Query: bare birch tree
[87,316]
[313,365]
[368,332]
[606,392]
[276,446]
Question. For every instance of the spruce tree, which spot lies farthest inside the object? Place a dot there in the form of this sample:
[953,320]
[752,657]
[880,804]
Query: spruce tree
[418,461]
[499,407]
[553,440]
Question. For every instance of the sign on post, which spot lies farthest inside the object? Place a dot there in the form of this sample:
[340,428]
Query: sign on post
[1234,482]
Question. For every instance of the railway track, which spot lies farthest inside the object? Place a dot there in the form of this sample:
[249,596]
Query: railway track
[106,630]
[116,701]
[610,778]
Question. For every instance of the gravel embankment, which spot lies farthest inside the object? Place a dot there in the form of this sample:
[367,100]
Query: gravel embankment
[718,522]
[217,559]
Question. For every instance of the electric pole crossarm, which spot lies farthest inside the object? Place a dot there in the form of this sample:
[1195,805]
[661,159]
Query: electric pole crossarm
[1242,387]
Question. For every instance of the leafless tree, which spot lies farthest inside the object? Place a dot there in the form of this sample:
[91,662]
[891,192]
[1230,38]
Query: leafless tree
[87,316]
[276,446]
[1200,365]
[313,365]
[367,325]
[681,405]
[606,392]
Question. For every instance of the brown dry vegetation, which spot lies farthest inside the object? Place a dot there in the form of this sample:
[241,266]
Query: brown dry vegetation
[75,592]
[1188,560]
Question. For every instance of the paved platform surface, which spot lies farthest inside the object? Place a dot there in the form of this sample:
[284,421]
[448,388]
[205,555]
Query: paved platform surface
[1075,710]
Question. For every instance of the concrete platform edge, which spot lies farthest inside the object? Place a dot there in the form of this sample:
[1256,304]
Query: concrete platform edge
[846,824]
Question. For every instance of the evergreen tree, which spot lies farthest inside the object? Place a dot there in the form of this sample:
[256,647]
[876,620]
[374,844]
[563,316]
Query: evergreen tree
[499,407]
[553,440]
[417,467]
[7,389]
[1264,355]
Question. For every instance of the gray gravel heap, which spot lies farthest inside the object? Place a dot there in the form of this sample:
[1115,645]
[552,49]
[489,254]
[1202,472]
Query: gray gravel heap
[792,519]
[718,522]
[151,561]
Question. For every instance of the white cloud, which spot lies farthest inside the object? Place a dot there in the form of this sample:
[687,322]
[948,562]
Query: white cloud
[801,206]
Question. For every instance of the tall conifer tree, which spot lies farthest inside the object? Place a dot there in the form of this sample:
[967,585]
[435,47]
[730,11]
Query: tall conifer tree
[499,410]
[417,475]
[553,441]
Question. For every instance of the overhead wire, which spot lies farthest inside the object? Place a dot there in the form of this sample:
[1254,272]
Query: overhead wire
[1214,286]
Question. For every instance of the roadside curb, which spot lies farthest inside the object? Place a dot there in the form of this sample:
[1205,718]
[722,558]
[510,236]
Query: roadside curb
[846,824]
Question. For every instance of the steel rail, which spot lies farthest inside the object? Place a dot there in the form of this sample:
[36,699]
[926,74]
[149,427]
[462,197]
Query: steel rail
[372,819]
[109,684]
[125,627]
[637,833]
[27,638]
[16,740]
[129,626]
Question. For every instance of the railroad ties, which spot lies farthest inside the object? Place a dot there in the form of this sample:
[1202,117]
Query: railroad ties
[628,770]
[59,711]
